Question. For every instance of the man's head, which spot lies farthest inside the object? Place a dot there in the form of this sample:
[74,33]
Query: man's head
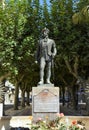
[45,32]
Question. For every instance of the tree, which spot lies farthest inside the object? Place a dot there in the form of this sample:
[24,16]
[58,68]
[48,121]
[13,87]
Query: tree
[82,19]
[14,52]
[82,16]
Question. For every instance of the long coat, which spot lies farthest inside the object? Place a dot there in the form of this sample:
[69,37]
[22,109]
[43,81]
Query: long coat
[50,48]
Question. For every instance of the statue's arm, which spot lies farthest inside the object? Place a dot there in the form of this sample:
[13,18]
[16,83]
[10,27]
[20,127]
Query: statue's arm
[54,49]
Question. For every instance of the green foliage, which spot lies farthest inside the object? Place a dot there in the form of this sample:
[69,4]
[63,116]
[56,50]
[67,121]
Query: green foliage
[82,16]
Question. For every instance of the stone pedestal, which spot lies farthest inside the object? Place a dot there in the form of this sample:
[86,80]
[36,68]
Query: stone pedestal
[45,102]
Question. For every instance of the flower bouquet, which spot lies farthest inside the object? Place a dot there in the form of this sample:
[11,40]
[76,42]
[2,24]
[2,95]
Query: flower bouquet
[57,124]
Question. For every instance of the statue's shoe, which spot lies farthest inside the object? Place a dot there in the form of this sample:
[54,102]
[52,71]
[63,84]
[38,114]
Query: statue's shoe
[48,82]
[41,82]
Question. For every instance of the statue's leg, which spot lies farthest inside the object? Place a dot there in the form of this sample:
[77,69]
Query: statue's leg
[48,72]
[42,66]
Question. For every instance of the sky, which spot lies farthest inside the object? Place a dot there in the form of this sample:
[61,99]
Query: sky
[48,2]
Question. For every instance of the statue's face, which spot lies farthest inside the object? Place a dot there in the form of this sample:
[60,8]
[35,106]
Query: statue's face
[45,33]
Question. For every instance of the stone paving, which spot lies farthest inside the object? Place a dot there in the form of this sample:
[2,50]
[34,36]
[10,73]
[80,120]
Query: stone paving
[9,111]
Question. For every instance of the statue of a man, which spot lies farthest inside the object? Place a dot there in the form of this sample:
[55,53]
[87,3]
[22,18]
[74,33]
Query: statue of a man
[45,54]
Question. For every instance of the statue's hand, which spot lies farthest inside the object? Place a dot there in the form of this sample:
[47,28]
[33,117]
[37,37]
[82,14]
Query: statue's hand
[36,61]
[53,55]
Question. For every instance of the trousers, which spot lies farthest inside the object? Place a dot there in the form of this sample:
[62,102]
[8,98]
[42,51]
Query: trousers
[43,63]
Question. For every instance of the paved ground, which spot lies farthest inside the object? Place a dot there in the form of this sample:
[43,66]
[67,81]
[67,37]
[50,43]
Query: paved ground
[9,111]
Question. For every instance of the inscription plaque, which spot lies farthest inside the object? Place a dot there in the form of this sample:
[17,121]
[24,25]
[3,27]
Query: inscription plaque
[45,101]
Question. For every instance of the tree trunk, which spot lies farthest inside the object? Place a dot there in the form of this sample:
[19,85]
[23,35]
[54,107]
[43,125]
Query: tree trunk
[16,97]
[63,91]
[27,102]
[23,99]
[18,82]
[75,97]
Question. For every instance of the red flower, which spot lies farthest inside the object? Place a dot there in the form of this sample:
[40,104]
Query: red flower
[74,122]
[60,114]
[39,119]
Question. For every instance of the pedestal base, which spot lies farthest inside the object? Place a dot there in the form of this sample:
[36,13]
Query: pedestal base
[45,102]
[45,85]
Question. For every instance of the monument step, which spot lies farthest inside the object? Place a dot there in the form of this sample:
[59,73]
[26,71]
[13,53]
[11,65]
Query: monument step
[7,122]
[45,85]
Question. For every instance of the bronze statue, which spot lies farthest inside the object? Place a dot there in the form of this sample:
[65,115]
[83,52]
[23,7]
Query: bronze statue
[45,54]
